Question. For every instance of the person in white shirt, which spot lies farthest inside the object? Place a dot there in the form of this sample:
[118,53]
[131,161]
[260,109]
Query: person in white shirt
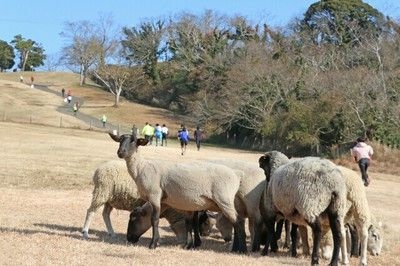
[164,131]
[362,153]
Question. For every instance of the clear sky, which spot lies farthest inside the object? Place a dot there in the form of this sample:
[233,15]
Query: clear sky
[43,20]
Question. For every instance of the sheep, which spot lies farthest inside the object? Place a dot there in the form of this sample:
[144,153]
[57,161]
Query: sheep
[359,218]
[248,199]
[114,188]
[193,186]
[305,191]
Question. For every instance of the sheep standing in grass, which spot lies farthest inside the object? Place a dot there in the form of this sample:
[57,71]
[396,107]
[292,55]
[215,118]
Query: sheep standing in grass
[306,191]
[114,188]
[189,187]
[358,215]
[247,201]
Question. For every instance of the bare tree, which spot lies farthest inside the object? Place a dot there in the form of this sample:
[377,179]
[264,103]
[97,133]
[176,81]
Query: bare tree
[88,44]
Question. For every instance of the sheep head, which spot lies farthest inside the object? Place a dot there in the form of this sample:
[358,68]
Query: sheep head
[270,161]
[375,240]
[139,222]
[128,144]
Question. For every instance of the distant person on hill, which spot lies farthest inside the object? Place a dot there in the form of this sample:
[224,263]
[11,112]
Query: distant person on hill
[148,132]
[183,136]
[198,137]
[63,92]
[164,131]
[362,153]
[32,79]
[21,78]
[75,108]
[104,120]
[158,134]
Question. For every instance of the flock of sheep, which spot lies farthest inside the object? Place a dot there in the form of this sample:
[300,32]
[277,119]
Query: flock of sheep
[303,193]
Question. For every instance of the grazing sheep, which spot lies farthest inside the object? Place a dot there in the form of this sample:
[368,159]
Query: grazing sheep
[114,188]
[359,218]
[247,201]
[189,187]
[306,191]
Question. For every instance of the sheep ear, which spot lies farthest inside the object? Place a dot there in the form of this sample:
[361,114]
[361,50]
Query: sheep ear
[114,137]
[141,142]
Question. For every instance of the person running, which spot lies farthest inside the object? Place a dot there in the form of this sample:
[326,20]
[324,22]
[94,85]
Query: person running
[148,132]
[198,136]
[183,136]
[158,134]
[164,131]
[362,153]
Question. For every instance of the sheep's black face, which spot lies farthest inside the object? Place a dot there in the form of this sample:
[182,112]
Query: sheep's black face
[264,163]
[139,223]
[127,146]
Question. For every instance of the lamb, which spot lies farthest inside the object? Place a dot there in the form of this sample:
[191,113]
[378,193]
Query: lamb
[193,186]
[305,191]
[114,188]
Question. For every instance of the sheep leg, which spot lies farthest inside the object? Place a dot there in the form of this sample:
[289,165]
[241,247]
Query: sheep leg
[293,235]
[239,236]
[106,217]
[90,214]
[155,219]
[304,240]
[278,230]
[287,230]
[338,235]
[364,240]
[271,237]
[316,231]
[354,249]
[196,230]
[256,229]
[189,228]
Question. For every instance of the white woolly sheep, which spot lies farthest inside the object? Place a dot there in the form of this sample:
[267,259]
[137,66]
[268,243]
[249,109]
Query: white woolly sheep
[193,186]
[114,188]
[306,191]
[359,215]
[248,200]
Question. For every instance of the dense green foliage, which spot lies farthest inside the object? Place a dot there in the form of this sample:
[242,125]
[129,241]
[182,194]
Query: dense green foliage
[31,54]
[6,56]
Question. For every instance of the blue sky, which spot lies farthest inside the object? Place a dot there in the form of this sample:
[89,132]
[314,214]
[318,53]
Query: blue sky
[43,20]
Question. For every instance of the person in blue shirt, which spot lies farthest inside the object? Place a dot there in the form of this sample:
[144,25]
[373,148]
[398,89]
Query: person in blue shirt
[183,136]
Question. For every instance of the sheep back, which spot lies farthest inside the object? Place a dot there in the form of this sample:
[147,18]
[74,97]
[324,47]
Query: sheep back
[306,186]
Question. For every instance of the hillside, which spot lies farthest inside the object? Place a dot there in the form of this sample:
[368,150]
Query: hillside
[41,107]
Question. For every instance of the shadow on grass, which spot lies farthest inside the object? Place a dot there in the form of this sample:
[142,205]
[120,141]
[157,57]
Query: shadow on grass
[212,242]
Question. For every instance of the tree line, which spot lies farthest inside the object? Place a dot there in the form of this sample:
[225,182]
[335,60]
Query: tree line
[320,81]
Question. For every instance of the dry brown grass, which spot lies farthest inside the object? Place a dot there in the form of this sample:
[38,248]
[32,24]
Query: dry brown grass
[45,189]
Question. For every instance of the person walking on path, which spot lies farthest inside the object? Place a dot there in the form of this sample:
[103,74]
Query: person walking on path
[183,136]
[164,131]
[148,132]
[198,137]
[104,120]
[63,92]
[362,154]
[158,134]
[75,108]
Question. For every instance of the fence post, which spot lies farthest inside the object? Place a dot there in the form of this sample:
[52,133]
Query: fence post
[119,130]
[60,120]
[4,116]
[90,125]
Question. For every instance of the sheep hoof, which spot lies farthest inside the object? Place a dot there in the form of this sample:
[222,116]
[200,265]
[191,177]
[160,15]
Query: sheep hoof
[85,235]
[153,245]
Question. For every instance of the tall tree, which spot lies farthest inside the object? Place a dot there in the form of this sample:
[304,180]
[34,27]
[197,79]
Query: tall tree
[88,44]
[330,20]
[31,54]
[144,46]
[6,56]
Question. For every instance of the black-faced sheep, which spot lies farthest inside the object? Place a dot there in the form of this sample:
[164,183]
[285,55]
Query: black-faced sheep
[193,186]
[306,191]
[115,189]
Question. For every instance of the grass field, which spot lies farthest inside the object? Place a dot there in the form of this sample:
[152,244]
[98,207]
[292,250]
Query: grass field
[46,184]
